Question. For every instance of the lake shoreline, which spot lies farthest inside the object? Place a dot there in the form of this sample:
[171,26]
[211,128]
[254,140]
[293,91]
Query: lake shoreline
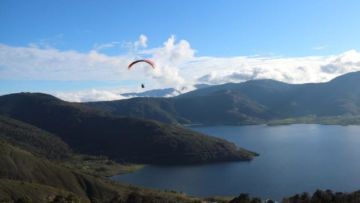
[328,120]
[283,169]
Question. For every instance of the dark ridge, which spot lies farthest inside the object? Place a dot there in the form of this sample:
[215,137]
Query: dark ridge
[125,139]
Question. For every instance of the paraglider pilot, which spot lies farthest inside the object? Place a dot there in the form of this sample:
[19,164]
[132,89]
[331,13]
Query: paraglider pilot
[151,63]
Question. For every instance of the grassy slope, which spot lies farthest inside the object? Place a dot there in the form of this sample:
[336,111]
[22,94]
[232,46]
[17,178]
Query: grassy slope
[98,165]
[33,139]
[43,178]
[15,190]
[18,164]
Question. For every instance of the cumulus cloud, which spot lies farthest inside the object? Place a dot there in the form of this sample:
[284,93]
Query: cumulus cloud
[52,64]
[47,63]
[232,77]
[134,47]
[213,70]
[142,42]
[169,59]
[176,66]
[89,95]
[346,62]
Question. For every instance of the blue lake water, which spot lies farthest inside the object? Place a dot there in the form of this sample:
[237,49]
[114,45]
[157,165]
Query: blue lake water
[293,159]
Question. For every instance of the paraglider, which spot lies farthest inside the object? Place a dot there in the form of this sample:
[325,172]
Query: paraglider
[151,63]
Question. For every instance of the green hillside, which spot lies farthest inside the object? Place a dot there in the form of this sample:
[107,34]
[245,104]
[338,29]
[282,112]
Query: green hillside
[25,176]
[21,191]
[17,164]
[28,174]
[33,139]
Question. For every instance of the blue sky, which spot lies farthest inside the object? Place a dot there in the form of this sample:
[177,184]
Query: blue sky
[213,29]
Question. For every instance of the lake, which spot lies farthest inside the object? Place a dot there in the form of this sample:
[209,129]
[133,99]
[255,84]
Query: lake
[293,159]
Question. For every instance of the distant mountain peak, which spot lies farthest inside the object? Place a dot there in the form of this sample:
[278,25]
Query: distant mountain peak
[165,92]
[349,77]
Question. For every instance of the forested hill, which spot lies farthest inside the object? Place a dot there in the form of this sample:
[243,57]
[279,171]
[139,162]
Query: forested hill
[91,131]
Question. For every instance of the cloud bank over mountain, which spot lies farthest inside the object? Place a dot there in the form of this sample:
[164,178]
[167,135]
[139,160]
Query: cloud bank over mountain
[89,95]
[176,66]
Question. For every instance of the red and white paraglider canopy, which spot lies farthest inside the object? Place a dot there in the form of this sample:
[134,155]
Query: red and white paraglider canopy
[151,63]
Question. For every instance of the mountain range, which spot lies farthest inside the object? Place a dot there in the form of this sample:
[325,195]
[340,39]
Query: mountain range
[251,102]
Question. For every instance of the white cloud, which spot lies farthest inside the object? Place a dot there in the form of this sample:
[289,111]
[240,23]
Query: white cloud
[169,59]
[89,95]
[142,42]
[176,66]
[52,64]
[134,47]
[213,70]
